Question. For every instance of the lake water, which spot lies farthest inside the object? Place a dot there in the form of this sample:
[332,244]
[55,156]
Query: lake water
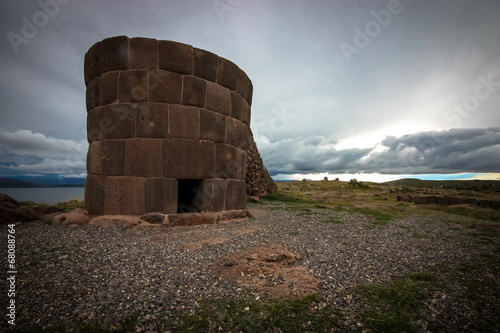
[47,195]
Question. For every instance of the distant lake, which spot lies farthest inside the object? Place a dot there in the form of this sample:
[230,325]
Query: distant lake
[47,195]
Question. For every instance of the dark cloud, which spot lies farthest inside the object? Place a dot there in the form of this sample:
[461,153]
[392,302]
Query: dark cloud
[408,78]
[442,152]
[25,152]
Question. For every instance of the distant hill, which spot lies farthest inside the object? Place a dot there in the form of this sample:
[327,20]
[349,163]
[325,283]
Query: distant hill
[16,183]
[43,181]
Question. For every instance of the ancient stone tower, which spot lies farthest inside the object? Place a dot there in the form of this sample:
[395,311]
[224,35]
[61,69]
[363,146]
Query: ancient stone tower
[167,125]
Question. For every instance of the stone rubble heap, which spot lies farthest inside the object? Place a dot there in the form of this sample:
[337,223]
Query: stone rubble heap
[258,180]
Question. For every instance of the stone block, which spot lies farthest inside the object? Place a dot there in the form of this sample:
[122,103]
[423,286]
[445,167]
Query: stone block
[119,122]
[227,74]
[472,202]
[218,98]
[92,63]
[245,112]
[114,54]
[205,64]
[231,215]
[153,218]
[152,120]
[484,203]
[241,163]
[420,200]
[457,201]
[226,164]
[176,57]
[236,195]
[124,195]
[143,53]
[236,133]
[161,195]
[244,86]
[109,88]
[432,200]
[188,159]
[96,124]
[143,157]
[210,195]
[133,86]
[92,95]
[236,101]
[212,126]
[164,86]
[249,94]
[94,158]
[193,91]
[94,194]
[495,204]
[191,219]
[184,121]
[443,201]
[113,157]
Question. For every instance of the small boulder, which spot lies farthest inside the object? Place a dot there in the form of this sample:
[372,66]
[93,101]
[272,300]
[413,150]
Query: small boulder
[79,210]
[126,221]
[191,219]
[70,218]
[154,218]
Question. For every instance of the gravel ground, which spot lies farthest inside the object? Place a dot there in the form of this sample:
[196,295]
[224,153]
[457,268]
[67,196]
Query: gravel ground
[103,274]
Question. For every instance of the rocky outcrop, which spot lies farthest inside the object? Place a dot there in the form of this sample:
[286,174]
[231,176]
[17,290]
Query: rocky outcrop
[12,211]
[258,180]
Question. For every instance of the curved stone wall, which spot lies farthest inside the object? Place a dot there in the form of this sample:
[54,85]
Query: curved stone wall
[168,125]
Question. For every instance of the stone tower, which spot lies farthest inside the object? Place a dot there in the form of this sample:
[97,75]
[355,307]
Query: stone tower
[168,125]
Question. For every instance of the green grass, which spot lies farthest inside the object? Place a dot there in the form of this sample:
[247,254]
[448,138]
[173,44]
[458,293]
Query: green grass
[393,306]
[476,213]
[249,315]
[68,206]
[285,197]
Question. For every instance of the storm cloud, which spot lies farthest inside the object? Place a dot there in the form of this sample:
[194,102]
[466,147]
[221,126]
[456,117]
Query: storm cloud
[434,152]
[382,86]
[25,152]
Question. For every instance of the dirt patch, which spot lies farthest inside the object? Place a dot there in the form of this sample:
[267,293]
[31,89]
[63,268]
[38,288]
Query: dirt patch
[247,230]
[271,270]
[487,227]
[197,245]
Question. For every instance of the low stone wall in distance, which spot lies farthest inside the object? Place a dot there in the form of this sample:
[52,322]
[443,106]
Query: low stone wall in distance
[449,201]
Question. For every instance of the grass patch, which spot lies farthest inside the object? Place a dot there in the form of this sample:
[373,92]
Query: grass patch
[393,306]
[68,206]
[249,315]
[285,197]
[476,213]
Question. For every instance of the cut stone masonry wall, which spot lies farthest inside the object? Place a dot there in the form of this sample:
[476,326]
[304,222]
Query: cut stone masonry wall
[168,126]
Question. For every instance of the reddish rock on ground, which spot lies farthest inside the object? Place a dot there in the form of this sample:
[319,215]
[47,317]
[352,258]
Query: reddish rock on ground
[269,269]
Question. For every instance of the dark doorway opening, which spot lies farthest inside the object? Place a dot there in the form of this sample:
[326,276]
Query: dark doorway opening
[187,189]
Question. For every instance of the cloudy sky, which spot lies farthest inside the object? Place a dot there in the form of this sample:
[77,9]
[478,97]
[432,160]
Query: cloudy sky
[376,89]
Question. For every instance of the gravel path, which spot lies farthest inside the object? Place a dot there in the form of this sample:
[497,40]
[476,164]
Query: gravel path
[103,274]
